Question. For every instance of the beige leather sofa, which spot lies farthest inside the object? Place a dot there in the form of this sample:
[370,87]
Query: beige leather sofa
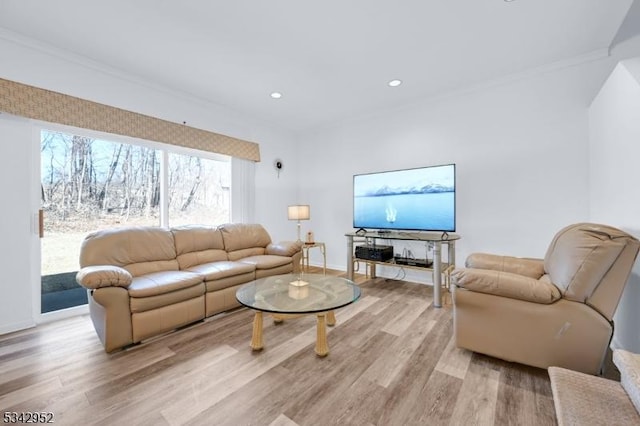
[143,281]
[555,311]
[582,400]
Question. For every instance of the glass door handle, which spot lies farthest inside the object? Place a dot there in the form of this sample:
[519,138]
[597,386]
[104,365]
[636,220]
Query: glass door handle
[41,223]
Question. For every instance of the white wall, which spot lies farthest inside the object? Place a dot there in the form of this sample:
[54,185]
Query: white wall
[33,64]
[521,152]
[520,145]
[274,192]
[614,119]
[16,261]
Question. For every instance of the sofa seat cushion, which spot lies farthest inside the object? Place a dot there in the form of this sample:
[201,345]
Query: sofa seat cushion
[144,304]
[266,261]
[218,270]
[225,283]
[163,282]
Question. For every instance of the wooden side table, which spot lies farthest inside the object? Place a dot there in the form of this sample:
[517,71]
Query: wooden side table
[305,254]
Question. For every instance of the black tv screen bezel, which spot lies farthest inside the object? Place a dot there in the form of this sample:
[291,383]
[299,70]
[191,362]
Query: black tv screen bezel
[391,228]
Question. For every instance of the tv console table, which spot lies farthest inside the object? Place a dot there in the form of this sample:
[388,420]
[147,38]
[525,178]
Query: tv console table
[431,239]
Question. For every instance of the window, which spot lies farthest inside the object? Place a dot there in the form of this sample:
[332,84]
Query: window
[90,184]
[198,190]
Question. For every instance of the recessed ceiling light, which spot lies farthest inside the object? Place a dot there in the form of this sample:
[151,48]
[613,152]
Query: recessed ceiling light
[508,1]
[276,95]
[395,83]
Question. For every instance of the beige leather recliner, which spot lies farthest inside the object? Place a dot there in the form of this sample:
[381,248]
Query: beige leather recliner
[555,311]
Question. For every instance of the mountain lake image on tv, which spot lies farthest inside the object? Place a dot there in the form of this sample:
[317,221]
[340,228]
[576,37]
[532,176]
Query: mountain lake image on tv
[420,199]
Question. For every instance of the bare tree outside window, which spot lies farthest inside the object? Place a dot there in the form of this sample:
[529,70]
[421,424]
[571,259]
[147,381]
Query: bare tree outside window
[198,190]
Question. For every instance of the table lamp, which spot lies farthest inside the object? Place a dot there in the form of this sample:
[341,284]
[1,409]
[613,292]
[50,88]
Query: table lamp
[299,212]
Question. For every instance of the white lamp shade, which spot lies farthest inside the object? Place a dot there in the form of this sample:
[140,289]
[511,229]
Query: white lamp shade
[300,212]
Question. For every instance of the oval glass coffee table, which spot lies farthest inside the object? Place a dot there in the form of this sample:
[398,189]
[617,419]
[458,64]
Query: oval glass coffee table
[291,295]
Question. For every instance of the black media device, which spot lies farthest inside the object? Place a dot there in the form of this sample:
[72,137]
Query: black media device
[377,253]
[409,261]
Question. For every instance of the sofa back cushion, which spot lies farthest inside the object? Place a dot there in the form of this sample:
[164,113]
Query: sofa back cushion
[139,250]
[580,256]
[196,245]
[241,254]
[242,240]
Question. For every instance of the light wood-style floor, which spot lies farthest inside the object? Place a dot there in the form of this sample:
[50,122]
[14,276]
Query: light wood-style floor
[392,361]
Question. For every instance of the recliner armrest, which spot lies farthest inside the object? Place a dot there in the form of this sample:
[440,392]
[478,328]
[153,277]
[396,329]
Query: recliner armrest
[93,277]
[506,284]
[285,248]
[533,268]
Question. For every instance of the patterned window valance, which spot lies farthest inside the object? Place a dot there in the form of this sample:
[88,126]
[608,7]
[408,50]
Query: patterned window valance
[45,105]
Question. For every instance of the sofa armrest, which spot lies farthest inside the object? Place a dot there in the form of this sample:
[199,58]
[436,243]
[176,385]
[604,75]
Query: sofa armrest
[533,268]
[93,277]
[506,284]
[284,248]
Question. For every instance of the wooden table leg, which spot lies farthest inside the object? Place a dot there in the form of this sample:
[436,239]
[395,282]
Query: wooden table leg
[322,348]
[256,338]
[331,318]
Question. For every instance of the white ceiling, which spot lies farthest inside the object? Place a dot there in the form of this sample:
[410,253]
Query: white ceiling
[330,59]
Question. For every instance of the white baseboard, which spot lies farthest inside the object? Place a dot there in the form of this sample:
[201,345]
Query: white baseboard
[63,314]
[10,328]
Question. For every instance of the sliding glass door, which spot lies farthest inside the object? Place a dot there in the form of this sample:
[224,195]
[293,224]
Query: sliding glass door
[89,184]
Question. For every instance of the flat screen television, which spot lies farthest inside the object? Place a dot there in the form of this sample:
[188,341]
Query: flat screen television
[420,199]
